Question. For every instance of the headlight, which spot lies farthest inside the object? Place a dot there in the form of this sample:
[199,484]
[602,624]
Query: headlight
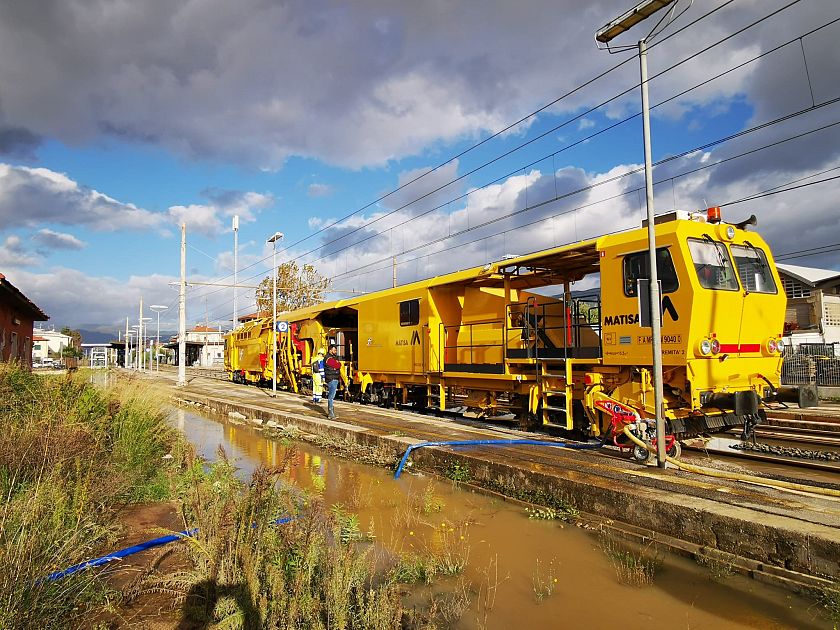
[705,347]
[780,345]
[771,345]
[715,346]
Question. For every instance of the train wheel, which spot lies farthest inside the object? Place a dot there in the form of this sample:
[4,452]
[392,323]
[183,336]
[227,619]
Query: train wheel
[528,422]
[640,454]
[675,451]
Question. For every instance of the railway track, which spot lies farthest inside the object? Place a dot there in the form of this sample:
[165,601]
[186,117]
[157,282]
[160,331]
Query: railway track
[790,438]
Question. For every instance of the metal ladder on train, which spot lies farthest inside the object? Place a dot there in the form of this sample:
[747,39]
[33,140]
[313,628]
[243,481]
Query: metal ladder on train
[556,391]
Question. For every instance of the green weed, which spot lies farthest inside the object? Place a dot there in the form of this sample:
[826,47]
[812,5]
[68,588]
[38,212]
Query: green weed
[544,580]
[633,566]
[460,473]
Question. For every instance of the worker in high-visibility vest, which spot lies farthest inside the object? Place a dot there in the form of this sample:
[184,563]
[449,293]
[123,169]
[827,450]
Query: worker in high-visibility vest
[318,376]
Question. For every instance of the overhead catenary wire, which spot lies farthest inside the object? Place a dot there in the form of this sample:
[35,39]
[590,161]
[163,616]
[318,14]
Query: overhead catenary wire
[543,158]
[603,130]
[350,273]
[785,188]
[611,179]
[527,143]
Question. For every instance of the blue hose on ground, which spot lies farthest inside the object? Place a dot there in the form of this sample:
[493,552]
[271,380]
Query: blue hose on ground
[573,445]
[143,546]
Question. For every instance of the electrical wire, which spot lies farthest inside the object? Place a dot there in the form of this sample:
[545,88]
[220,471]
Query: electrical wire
[589,187]
[595,134]
[527,143]
[351,273]
[600,131]
[786,187]
[606,181]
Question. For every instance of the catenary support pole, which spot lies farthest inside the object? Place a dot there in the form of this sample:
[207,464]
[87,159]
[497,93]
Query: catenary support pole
[182,311]
[141,347]
[274,318]
[235,261]
[655,303]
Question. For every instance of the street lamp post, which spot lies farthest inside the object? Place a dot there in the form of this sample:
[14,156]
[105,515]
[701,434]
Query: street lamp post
[158,308]
[136,359]
[621,24]
[145,341]
[127,362]
[273,240]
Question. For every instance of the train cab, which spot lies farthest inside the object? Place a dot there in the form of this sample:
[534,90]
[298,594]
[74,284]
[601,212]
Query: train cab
[722,314]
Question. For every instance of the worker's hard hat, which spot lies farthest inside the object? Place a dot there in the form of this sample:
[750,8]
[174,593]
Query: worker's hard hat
[321,351]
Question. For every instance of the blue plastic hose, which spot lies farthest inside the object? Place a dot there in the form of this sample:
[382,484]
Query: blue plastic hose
[573,445]
[128,551]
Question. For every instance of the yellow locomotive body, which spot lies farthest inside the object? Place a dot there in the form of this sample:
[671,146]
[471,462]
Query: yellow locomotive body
[511,339]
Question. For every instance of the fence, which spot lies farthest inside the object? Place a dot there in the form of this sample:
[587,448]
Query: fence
[812,364]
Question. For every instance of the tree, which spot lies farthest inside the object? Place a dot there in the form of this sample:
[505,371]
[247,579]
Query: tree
[74,350]
[296,288]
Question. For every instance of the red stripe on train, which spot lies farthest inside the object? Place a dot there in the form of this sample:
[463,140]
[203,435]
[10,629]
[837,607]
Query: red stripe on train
[744,347]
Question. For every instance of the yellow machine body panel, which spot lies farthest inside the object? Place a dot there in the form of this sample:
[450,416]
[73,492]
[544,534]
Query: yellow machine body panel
[719,287]
[515,337]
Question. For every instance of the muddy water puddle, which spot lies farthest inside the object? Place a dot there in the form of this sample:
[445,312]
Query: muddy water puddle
[518,570]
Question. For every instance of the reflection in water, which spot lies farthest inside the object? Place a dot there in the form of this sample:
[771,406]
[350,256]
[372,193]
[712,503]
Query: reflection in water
[507,553]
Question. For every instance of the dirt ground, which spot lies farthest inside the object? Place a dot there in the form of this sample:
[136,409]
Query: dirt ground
[141,609]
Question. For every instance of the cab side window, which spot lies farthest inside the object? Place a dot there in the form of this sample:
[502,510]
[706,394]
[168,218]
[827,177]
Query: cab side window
[410,312]
[637,266]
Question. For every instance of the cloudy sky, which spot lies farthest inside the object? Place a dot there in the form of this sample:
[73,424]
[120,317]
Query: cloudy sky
[358,129]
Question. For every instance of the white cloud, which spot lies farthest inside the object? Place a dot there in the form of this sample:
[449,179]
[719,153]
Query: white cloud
[206,219]
[14,254]
[109,300]
[319,190]
[57,240]
[211,79]
[33,196]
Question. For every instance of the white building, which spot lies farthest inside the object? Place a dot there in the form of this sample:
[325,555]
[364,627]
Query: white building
[205,347]
[813,307]
[48,343]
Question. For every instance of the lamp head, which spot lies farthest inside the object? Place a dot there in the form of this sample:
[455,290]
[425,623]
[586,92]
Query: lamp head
[625,22]
[276,237]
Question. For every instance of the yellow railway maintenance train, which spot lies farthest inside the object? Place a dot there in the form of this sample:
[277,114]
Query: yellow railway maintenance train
[511,340]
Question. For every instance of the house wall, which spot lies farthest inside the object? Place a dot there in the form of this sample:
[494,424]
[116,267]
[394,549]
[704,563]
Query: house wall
[15,336]
[831,318]
[55,343]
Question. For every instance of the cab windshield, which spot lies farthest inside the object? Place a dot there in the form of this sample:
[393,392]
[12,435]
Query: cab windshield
[753,269]
[713,265]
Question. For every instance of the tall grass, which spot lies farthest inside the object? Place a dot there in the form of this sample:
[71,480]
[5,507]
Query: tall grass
[70,454]
[245,572]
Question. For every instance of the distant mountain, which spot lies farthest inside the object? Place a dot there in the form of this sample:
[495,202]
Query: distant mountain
[93,336]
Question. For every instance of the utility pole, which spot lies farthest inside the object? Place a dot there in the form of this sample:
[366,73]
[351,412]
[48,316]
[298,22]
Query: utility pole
[125,348]
[182,312]
[235,260]
[394,272]
[621,24]
[273,240]
[140,347]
